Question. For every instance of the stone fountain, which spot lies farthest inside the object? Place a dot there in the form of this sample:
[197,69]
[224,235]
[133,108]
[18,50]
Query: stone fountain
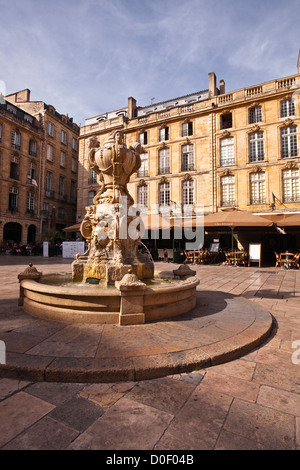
[112,250]
[113,281]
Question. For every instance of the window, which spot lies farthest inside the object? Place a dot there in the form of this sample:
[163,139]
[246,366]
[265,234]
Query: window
[163,161]
[0,132]
[13,198]
[50,153]
[188,193]
[227,151]
[31,177]
[143,138]
[63,137]
[74,143]
[228,190]
[143,170]
[289,143]
[32,148]
[257,188]
[256,147]
[61,187]
[51,129]
[255,115]
[92,176]
[142,195]
[226,121]
[92,194]
[16,140]
[14,167]
[74,165]
[61,213]
[187,129]
[290,185]
[287,108]
[49,192]
[164,134]
[45,210]
[187,157]
[73,191]
[63,159]
[164,194]
[30,201]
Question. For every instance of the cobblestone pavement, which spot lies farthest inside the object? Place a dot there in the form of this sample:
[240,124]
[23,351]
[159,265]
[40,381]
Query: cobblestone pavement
[250,403]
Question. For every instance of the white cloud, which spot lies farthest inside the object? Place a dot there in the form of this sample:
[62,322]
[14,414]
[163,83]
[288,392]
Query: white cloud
[86,57]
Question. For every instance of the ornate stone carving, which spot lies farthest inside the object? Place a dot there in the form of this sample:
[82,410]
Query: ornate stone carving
[225,133]
[255,128]
[30,273]
[184,271]
[111,247]
[288,122]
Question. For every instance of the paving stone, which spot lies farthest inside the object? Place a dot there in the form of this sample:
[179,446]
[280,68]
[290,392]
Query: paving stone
[238,368]
[55,392]
[102,394]
[277,377]
[233,386]
[128,425]
[77,413]
[198,423]
[164,394]
[47,434]
[231,441]
[281,400]
[271,428]
[18,412]
[10,386]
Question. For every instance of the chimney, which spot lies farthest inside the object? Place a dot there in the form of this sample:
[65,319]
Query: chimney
[222,87]
[131,107]
[212,87]
[22,96]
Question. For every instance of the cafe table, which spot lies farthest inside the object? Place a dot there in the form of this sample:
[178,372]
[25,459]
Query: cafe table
[287,257]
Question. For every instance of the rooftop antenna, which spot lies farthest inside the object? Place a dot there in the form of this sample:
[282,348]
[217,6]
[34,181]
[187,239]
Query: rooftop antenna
[152,99]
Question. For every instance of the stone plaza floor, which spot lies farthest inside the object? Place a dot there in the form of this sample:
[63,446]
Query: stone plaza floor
[151,394]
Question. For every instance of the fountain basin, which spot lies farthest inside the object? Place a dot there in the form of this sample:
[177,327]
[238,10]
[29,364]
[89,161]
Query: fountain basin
[56,297]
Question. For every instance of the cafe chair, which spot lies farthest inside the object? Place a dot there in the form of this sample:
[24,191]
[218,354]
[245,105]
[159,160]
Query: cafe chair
[242,258]
[189,257]
[279,261]
[294,263]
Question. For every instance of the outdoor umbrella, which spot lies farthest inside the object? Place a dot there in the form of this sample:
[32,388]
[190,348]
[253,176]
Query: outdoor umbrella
[154,223]
[284,220]
[72,228]
[235,218]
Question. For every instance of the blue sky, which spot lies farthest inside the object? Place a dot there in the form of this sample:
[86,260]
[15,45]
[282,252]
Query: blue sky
[86,57]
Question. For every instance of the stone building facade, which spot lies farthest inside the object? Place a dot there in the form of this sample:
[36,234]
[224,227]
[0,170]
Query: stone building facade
[39,163]
[210,150]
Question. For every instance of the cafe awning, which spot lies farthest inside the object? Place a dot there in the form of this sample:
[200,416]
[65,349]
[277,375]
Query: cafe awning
[72,228]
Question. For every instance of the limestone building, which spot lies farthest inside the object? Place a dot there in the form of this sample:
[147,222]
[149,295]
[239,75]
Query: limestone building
[209,150]
[39,163]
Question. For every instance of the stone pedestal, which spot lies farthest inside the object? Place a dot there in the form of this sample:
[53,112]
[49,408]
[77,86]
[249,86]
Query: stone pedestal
[29,273]
[132,300]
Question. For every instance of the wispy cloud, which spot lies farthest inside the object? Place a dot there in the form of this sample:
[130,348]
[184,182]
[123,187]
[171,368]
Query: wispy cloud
[86,57]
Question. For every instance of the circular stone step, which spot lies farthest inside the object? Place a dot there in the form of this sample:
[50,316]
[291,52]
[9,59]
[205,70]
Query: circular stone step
[220,328]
